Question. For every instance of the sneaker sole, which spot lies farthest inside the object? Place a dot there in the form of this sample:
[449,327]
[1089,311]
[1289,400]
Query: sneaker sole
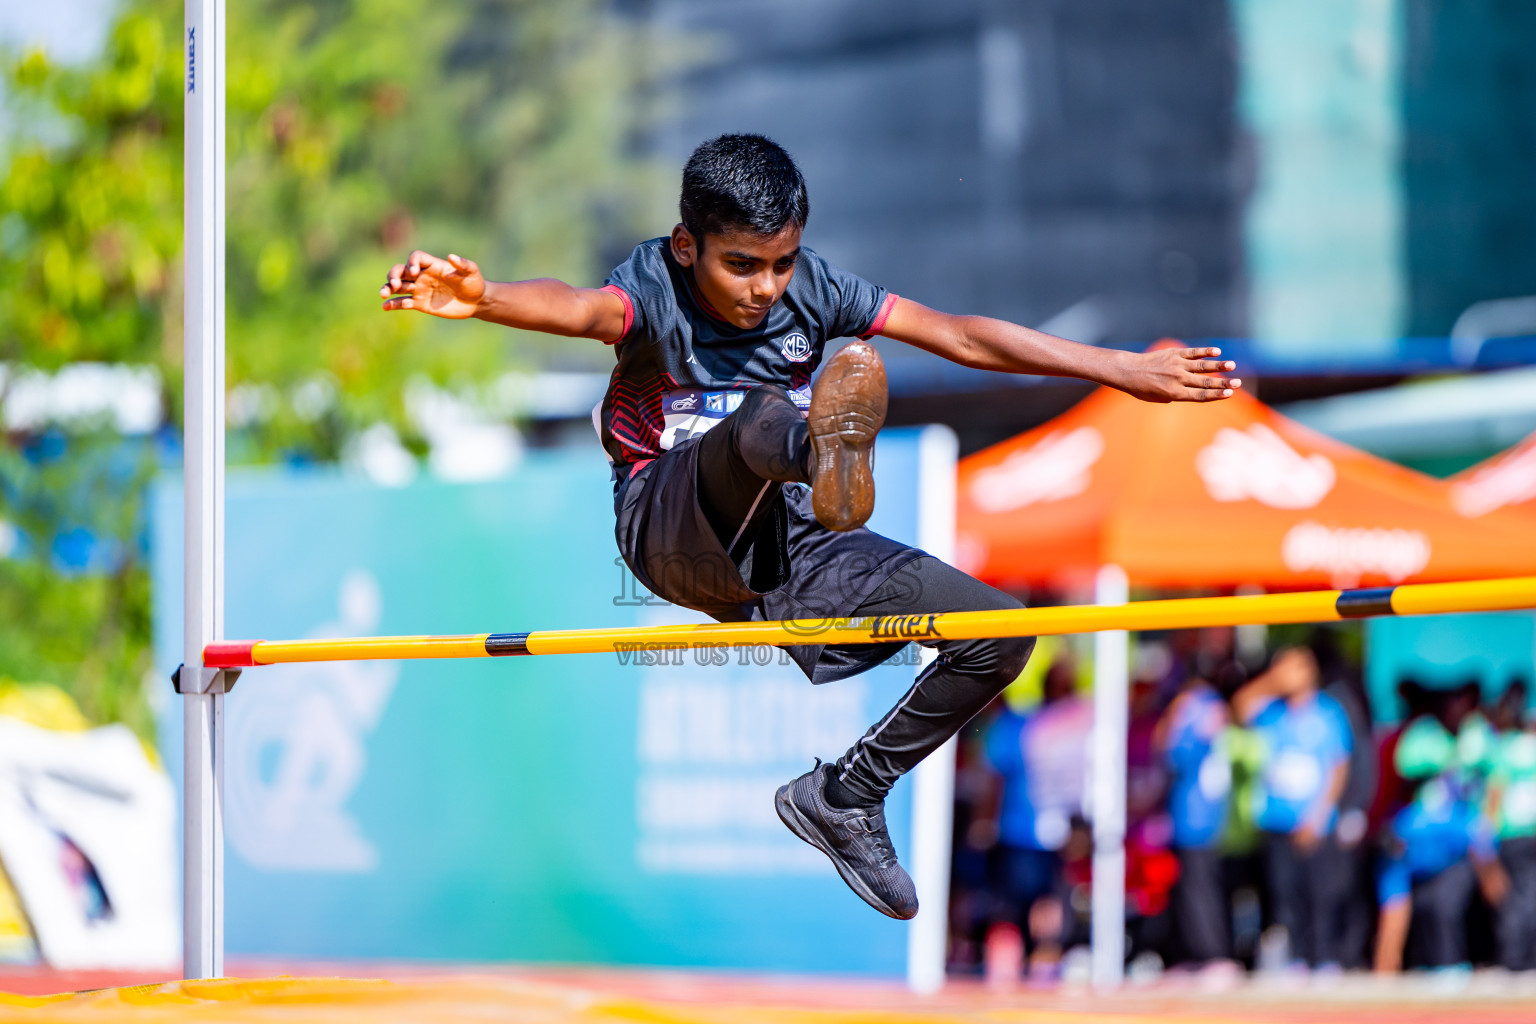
[848,407]
[800,826]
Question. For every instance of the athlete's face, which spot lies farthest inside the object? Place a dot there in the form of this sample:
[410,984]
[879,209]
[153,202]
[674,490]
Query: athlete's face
[741,274]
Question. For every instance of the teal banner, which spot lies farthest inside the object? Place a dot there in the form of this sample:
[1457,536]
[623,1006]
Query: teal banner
[1492,649]
[582,808]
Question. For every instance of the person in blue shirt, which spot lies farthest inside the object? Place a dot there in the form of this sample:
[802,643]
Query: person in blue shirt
[1042,757]
[1307,741]
[1435,851]
[1343,682]
[1191,739]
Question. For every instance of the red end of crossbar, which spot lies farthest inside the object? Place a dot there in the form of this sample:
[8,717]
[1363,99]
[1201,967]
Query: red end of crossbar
[230,654]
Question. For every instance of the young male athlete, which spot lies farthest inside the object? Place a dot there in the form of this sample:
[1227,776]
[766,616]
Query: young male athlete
[713,425]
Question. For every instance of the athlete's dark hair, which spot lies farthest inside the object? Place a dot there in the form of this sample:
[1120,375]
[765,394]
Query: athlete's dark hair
[742,182]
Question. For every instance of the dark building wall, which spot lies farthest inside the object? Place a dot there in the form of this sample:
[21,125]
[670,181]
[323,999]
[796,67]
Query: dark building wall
[1013,159]
[1469,156]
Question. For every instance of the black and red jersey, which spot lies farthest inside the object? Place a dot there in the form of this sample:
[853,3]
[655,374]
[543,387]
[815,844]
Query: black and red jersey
[682,367]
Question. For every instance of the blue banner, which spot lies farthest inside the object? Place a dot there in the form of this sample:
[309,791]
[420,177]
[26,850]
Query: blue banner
[584,808]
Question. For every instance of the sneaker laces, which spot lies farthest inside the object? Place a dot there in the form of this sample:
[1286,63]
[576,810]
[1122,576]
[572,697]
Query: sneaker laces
[880,838]
[885,852]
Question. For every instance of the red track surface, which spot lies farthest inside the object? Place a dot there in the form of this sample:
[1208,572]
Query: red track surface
[692,997]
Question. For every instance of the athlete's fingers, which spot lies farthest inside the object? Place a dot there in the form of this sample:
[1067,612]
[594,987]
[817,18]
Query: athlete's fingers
[420,260]
[463,265]
[399,302]
[396,277]
[1199,353]
[1213,366]
[1199,394]
[1194,380]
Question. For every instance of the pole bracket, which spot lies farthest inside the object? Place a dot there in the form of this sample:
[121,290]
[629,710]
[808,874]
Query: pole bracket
[215,680]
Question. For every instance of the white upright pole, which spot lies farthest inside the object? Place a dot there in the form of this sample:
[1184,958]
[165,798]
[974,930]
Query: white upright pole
[933,781]
[203,384]
[1111,713]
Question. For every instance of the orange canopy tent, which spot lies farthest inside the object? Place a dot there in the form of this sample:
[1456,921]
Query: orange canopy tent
[1506,480]
[1217,494]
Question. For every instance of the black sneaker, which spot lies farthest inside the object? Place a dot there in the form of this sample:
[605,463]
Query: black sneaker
[854,839]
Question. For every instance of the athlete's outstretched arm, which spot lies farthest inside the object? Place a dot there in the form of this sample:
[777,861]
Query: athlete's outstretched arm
[1167,375]
[454,288]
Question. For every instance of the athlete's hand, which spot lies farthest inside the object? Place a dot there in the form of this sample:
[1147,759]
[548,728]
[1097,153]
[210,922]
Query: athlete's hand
[1176,375]
[450,288]
[1307,837]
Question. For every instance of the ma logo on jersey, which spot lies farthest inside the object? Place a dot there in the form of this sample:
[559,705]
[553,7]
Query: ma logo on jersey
[796,348]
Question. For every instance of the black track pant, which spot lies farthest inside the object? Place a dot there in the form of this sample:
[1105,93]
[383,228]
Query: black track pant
[1304,895]
[742,462]
[1517,914]
[1437,936]
[1201,917]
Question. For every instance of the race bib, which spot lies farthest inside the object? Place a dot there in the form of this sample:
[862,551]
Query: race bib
[1052,829]
[1294,776]
[692,412]
[1215,777]
[1519,804]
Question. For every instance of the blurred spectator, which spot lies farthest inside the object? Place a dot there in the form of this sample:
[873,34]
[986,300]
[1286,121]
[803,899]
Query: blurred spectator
[1189,737]
[1146,783]
[1351,921]
[1151,868]
[1454,707]
[1240,843]
[1512,807]
[1307,742]
[975,834]
[1393,791]
[1262,803]
[1437,849]
[1508,712]
[1042,758]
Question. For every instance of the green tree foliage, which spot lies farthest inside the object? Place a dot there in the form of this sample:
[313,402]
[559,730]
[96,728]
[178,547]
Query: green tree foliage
[84,627]
[90,205]
[499,131]
[357,130]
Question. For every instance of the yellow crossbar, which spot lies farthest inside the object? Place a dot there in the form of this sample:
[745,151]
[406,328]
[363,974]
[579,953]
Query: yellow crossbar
[1267,609]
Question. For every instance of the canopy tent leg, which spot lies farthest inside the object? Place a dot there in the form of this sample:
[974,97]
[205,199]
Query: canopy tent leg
[203,482]
[1111,714]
